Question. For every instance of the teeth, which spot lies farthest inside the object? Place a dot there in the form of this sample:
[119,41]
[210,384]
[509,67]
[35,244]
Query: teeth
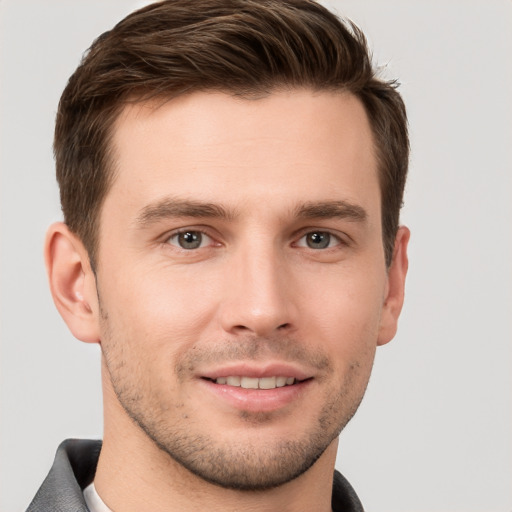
[267,383]
[249,383]
[255,383]
[280,382]
[233,381]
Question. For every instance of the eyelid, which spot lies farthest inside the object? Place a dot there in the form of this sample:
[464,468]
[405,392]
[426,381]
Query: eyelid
[205,232]
[342,238]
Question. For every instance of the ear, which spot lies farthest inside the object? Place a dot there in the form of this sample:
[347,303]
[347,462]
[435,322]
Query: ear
[395,288]
[72,282]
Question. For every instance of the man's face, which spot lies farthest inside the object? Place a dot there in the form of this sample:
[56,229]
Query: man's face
[241,278]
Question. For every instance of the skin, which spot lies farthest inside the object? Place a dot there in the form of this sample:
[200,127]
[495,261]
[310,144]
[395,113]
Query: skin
[289,276]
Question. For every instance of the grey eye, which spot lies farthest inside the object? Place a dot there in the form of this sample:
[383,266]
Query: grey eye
[318,240]
[188,239]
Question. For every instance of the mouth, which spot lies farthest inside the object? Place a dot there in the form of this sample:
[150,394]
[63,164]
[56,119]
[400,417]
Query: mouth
[240,381]
[256,388]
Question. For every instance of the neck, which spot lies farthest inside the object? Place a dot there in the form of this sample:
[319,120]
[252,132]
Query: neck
[134,474]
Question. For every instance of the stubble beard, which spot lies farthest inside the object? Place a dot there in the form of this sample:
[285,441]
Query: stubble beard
[245,466]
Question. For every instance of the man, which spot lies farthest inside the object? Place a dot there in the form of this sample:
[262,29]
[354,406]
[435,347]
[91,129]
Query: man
[231,179]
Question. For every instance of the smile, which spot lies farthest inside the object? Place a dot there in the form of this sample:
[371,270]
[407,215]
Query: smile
[251,389]
[254,382]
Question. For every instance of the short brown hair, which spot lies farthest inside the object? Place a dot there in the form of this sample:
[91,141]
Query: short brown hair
[243,47]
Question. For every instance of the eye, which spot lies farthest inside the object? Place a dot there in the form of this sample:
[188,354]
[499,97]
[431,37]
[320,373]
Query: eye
[319,240]
[189,239]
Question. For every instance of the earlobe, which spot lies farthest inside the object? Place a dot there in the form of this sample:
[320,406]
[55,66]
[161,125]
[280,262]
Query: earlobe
[72,282]
[395,290]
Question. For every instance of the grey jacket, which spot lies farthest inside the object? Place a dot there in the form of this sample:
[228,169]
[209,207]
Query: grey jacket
[75,465]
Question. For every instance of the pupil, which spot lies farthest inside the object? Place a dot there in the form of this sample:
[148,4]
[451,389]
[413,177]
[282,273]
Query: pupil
[318,240]
[190,240]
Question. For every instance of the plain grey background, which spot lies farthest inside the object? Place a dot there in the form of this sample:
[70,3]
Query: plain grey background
[434,432]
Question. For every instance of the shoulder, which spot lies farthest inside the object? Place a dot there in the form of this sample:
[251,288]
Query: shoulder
[73,469]
[344,498]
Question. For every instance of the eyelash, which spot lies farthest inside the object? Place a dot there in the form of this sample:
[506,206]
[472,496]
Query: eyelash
[179,232]
[340,241]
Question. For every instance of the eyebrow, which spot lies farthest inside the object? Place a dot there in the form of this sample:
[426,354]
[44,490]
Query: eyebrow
[175,208]
[172,208]
[331,210]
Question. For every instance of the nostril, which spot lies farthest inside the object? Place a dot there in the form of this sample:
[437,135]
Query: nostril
[243,328]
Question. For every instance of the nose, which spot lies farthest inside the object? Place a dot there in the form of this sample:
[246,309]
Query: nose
[259,294]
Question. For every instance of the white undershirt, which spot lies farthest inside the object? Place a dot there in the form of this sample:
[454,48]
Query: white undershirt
[93,500]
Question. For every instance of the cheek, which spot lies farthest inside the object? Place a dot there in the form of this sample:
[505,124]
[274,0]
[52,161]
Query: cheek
[158,302]
[348,318]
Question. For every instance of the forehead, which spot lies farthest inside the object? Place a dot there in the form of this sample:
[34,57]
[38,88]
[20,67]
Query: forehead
[296,145]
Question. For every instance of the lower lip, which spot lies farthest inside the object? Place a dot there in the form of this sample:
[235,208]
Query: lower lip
[257,400]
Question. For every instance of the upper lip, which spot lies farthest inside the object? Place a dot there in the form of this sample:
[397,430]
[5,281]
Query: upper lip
[256,371]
